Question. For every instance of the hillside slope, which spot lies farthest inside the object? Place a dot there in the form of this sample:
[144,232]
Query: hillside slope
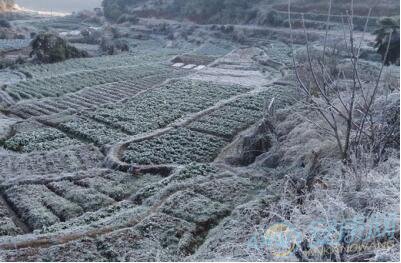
[240,11]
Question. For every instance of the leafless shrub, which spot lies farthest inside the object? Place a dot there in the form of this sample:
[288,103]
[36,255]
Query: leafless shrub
[337,90]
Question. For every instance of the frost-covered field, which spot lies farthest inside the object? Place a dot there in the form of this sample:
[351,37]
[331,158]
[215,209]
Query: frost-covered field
[7,44]
[127,158]
[81,128]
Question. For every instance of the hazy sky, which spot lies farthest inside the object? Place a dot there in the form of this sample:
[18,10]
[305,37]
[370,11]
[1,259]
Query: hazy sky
[59,5]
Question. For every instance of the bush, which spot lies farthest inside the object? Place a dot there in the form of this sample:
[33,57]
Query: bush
[111,47]
[91,36]
[114,9]
[49,48]
[274,19]
[5,23]
[94,20]
[127,18]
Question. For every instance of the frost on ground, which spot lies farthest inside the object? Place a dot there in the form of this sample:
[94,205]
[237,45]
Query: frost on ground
[62,196]
[128,158]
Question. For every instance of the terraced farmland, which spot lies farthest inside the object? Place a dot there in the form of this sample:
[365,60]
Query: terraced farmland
[73,82]
[86,64]
[116,154]
[42,166]
[38,138]
[91,96]
[186,137]
[177,147]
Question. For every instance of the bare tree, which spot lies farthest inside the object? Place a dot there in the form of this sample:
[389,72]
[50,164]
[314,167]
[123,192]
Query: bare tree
[341,98]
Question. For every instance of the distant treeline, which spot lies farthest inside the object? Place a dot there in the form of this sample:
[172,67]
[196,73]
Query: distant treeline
[212,10]
[201,11]
[231,12]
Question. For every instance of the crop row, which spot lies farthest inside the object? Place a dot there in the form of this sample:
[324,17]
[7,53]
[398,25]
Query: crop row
[6,44]
[91,131]
[90,97]
[39,165]
[233,117]
[280,96]
[188,172]
[39,207]
[7,226]
[62,84]
[118,185]
[147,111]
[226,122]
[45,205]
[86,64]
[238,115]
[160,107]
[39,139]
[141,187]
[279,52]
[89,199]
[180,146]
